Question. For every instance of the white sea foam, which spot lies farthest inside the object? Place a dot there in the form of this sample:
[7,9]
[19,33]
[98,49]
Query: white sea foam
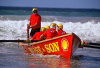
[17,29]
[13,29]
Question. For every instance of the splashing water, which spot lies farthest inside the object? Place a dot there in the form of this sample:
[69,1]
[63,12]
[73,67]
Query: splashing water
[10,29]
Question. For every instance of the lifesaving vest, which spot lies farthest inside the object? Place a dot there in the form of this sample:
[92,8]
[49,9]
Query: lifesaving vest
[35,21]
[50,33]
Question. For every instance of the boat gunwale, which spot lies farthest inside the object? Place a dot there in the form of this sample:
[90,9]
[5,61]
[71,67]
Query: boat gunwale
[34,43]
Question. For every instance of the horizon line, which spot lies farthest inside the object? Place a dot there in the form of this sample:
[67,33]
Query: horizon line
[48,7]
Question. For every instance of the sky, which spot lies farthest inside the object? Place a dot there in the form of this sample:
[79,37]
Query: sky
[52,3]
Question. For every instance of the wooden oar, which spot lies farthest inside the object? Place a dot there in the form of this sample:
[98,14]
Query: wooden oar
[27,32]
[28,41]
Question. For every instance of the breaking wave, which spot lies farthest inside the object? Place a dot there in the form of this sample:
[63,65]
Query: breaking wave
[16,29]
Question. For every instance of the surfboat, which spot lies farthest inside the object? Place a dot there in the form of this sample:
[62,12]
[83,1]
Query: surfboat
[63,46]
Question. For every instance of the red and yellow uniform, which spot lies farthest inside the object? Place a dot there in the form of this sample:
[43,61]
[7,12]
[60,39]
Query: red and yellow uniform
[37,36]
[50,33]
[35,22]
[61,32]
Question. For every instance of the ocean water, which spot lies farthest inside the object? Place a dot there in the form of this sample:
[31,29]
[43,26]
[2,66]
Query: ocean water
[83,22]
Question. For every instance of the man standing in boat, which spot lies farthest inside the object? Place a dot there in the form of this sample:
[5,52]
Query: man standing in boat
[34,22]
